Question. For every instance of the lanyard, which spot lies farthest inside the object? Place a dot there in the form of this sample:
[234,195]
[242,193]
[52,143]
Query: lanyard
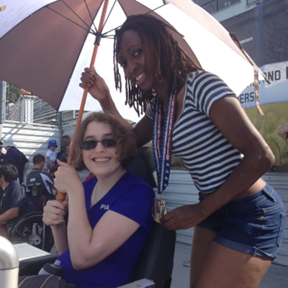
[162,140]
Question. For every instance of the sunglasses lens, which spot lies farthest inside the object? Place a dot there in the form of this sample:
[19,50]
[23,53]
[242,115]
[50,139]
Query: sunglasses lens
[88,145]
[109,142]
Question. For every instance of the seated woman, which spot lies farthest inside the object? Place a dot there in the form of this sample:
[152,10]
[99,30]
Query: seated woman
[109,215]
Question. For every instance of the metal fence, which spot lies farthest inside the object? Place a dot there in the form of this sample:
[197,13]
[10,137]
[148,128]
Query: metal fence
[21,106]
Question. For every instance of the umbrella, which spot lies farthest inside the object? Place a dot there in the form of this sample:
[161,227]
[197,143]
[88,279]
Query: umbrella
[45,45]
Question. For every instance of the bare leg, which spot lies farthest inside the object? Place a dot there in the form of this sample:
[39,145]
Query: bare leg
[202,240]
[226,268]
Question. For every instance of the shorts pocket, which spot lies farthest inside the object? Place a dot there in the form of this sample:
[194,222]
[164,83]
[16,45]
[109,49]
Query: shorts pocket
[281,228]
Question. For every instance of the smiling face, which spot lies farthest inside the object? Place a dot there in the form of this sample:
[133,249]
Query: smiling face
[138,60]
[101,161]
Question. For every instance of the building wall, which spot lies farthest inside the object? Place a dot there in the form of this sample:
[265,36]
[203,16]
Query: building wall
[232,10]
[31,139]
[229,11]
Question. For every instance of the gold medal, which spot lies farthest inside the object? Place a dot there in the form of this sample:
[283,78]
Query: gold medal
[159,209]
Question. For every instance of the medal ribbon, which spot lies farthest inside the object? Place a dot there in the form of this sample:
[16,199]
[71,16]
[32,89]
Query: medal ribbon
[162,140]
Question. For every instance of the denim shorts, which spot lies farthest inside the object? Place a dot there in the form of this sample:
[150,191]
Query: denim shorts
[254,225]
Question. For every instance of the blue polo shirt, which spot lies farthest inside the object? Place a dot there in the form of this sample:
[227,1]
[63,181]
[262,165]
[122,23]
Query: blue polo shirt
[133,198]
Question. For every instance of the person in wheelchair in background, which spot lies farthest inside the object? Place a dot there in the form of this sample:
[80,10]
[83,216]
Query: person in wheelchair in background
[13,199]
[39,183]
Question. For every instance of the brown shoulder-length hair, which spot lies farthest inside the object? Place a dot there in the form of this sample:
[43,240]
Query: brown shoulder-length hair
[126,142]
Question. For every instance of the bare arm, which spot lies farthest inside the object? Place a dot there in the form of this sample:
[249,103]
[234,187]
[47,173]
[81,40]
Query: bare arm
[49,161]
[239,131]
[53,216]
[100,91]
[60,237]
[26,166]
[9,214]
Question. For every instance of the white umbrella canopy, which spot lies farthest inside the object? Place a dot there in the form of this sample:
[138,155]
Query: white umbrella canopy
[45,46]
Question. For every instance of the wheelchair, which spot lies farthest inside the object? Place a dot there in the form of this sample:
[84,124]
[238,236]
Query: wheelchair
[29,227]
[156,259]
[155,262]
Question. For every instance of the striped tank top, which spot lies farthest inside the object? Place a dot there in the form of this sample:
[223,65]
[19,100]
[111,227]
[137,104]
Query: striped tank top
[207,154]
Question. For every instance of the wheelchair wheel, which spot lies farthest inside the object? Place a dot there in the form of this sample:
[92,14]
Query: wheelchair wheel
[30,229]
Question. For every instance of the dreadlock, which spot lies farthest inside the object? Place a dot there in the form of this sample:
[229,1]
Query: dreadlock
[173,63]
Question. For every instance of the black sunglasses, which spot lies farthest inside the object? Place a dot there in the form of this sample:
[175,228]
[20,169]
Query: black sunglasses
[91,144]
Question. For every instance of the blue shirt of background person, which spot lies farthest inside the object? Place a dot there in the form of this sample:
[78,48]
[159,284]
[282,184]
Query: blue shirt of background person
[16,157]
[109,215]
[51,154]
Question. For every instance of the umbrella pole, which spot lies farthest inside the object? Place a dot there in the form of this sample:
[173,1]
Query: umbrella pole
[62,196]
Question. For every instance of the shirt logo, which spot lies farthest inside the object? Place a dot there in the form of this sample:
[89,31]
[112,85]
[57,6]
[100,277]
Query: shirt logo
[105,207]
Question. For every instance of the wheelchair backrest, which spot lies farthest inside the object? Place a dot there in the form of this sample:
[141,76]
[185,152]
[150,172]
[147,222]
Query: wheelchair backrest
[34,193]
[156,259]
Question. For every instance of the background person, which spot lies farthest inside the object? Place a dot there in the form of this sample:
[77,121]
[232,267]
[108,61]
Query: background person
[2,156]
[51,154]
[13,200]
[40,183]
[62,155]
[283,132]
[277,144]
[16,157]
[109,215]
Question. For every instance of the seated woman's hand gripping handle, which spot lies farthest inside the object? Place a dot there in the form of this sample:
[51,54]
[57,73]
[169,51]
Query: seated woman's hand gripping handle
[109,216]
[54,216]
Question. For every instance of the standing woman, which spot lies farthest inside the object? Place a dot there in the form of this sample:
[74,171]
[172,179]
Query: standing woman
[240,219]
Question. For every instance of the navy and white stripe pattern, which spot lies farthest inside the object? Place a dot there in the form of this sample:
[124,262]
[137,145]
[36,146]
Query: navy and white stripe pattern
[207,154]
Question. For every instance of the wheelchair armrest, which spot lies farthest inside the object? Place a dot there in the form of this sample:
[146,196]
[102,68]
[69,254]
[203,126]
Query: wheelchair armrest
[33,266]
[140,283]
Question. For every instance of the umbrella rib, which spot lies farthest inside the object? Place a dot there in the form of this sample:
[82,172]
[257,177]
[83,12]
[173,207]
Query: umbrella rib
[68,19]
[144,14]
[93,32]
[109,14]
[90,15]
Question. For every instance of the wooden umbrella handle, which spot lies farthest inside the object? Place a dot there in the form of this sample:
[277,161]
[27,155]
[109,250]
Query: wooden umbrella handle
[62,196]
